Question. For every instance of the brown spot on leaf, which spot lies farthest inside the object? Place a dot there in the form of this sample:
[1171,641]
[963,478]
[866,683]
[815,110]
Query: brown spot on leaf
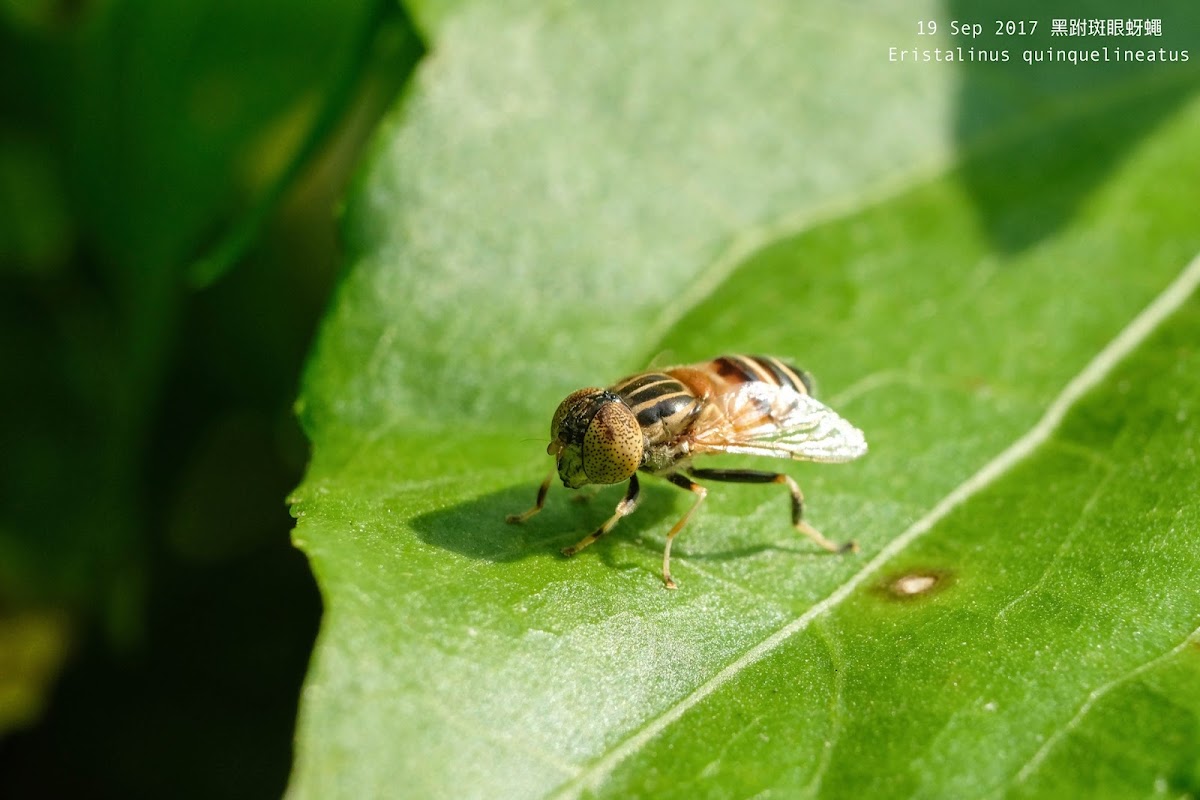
[915,584]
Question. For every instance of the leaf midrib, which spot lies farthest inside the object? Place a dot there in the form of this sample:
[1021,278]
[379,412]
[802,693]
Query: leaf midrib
[1094,372]
[791,223]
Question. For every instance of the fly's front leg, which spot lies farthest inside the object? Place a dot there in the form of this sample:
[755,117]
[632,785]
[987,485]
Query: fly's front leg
[681,481]
[624,508]
[537,505]
[755,476]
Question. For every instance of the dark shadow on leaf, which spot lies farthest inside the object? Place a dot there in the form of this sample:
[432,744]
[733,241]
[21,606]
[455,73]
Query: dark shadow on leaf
[476,528]
[694,544]
[1082,118]
[704,540]
[714,552]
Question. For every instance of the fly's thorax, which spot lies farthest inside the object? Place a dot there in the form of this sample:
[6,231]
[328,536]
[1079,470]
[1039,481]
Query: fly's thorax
[667,457]
[596,439]
[664,407]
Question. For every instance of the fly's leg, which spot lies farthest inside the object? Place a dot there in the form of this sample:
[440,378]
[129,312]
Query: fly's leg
[537,505]
[624,508]
[754,476]
[683,482]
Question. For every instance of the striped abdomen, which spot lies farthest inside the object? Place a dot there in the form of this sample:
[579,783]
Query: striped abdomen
[741,369]
[664,406]
[726,373]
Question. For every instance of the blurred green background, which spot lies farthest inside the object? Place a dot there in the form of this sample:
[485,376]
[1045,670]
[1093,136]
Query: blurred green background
[168,179]
[169,174]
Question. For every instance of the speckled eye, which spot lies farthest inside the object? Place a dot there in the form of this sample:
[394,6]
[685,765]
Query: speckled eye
[613,445]
[565,407]
[659,420]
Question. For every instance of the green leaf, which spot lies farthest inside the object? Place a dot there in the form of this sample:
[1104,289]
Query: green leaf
[571,191]
[146,135]
[32,649]
[143,146]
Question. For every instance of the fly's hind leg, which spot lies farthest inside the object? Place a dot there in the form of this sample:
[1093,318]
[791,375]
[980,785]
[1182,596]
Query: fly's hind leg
[755,476]
[624,509]
[683,482]
[537,505]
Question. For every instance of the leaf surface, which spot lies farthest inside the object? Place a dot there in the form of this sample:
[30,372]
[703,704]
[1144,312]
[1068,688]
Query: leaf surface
[571,192]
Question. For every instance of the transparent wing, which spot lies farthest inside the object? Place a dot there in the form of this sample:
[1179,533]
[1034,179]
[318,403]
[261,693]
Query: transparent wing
[766,420]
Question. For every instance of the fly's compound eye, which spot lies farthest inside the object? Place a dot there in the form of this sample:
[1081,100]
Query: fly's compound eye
[574,399]
[613,445]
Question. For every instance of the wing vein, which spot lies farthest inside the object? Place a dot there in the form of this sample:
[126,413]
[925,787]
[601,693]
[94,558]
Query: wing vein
[1133,334]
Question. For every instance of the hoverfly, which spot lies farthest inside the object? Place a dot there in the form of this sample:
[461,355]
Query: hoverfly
[657,422]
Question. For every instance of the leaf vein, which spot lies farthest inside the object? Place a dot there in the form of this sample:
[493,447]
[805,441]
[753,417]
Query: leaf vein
[836,708]
[1063,549]
[1133,334]
[1035,761]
